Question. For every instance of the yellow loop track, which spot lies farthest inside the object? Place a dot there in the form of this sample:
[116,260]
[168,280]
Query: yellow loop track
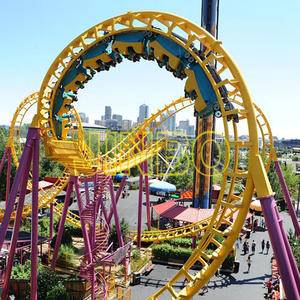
[76,156]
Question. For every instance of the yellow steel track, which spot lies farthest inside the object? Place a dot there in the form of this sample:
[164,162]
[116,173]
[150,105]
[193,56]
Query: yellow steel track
[76,156]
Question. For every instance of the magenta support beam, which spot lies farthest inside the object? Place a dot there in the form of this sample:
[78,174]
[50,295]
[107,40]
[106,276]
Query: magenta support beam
[15,234]
[287,197]
[51,222]
[87,243]
[87,194]
[26,155]
[115,212]
[62,222]
[289,251]
[140,206]
[3,160]
[34,214]
[119,192]
[286,272]
[8,174]
[148,212]
[83,227]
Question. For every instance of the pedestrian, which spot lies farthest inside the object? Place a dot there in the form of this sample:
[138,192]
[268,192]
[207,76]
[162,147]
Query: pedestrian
[253,245]
[268,247]
[262,246]
[237,244]
[245,247]
[249,262]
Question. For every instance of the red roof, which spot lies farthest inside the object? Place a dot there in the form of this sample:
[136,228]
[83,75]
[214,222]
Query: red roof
[161,208]
[192,215]
[186,195]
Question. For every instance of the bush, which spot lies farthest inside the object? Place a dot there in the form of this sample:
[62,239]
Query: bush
[166,251]
[47,279]
[65,240]
[58,292]
[180,242]
[66,256]
[136,254]
[113,237]
[295,245]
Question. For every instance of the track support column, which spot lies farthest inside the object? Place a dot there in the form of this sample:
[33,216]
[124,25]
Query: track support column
[281,254]
[287,197]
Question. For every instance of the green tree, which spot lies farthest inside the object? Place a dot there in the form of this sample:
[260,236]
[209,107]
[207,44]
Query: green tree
[113,237]
[290,177]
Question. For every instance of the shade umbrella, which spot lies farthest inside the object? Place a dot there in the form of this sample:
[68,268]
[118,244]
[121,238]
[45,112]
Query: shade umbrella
[255,205]
[161,186]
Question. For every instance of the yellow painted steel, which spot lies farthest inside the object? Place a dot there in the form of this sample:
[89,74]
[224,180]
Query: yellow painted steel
[81,161]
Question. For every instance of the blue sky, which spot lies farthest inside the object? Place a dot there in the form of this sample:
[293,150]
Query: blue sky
[261,36]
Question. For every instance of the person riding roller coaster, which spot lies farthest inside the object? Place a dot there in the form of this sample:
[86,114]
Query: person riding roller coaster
[137,44]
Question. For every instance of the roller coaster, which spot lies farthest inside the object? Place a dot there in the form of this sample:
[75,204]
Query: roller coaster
[214,85]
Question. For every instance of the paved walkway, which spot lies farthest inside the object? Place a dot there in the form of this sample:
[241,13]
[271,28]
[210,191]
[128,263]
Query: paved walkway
[243,285]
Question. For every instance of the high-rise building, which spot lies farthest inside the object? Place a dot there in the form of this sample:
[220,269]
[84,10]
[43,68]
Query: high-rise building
[171,123]
[191,131]
[107,113]
[112,124]
[83,117]
[143,113]
[118,118]
[126,125]
[184,126]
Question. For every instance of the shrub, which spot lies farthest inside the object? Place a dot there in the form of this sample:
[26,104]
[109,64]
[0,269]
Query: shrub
[58,292]
[66,256]
[181,242]
[166,251]
[65,240]
[136,254]
[113,237]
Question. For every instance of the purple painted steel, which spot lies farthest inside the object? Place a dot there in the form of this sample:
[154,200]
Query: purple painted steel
[83,227]
[269,210]
[86,189]
[289,251]
[35,214]
[51,222]
[119,192]
[87,242]
[8,174]
[147,195]
[16,229]
[15,186]
[3,160]
[140,206]
[115,212]
[287,197]
[62,222]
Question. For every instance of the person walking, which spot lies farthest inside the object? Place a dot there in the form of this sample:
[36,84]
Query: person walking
[253,246]
[262,246]
[267,247]
[245,248]
[249,262]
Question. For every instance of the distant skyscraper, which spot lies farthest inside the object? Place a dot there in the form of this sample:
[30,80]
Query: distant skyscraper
[84,118]
[184,126]
[143,113]
[171,123]
[118,118]
[191,131]
[126,125]
[107,114]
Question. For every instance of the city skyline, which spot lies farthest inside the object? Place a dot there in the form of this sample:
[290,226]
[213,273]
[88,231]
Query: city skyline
[115,120]
[130,83]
